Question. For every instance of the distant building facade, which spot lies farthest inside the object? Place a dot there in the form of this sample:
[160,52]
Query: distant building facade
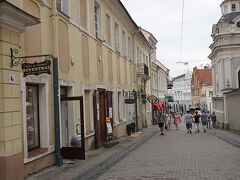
[201,79]
[225,57]
[181,92]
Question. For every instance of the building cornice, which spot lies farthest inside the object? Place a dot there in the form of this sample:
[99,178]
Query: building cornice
[15,19]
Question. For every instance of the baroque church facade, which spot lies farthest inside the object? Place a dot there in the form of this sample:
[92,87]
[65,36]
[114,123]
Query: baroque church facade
[225,57]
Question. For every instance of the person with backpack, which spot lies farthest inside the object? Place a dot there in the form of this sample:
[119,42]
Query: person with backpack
[204,120]
[188,121]
[196,122]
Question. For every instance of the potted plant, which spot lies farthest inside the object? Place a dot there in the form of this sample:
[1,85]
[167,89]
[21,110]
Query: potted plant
[129,129]
[133,126]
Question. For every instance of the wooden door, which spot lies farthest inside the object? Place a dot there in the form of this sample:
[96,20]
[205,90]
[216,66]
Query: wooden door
[96,109]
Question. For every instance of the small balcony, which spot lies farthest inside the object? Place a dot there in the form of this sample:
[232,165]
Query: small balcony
[142,69]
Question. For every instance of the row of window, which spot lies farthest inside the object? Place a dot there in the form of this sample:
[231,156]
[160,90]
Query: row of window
[125,49]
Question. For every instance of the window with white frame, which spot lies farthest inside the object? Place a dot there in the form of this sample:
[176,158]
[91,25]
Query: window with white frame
[124,44]
[129,48]
[120,107]
[32,117]
[117,37]
[64,6]
[97,20]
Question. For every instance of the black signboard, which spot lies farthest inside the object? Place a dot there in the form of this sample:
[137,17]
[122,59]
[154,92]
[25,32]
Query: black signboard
[129,101]
[36,68]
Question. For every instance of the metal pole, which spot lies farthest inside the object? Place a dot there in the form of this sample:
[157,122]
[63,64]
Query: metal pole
[59,160]
[136,109]
[153,123]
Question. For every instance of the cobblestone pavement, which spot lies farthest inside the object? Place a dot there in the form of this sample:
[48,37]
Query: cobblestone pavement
[97,161]
[179,155]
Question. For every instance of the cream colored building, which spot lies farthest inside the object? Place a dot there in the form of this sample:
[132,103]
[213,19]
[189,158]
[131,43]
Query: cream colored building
[225,57]
[101,55]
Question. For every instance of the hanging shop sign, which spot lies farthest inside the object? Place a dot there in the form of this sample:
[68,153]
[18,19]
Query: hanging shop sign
[36,68]
[151,98]
[130,101]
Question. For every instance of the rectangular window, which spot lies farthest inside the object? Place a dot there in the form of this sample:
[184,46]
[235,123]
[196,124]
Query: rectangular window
[129,48]
[32,117]
[124,44]
[147,60]
[83,13]
[108,29]
[233,7]
[144,58]
[120,110]
[63,6]
[138,55]
[97,20]
[117,39]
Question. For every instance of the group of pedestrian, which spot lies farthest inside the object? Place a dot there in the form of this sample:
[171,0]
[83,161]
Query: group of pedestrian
[203,118]
[165,120]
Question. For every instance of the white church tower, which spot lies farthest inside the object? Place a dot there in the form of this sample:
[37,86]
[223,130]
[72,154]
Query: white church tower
[225,57]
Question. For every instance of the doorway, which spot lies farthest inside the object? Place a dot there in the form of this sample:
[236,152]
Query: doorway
[72,149]
[102,105]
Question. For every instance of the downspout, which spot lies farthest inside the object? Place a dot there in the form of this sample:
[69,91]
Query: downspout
[58,157]
[135,77]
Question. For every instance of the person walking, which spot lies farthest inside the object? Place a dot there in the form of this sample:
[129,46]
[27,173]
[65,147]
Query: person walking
[177,119]
[196,121]
[204,119]
[168,120]
[214,119]
[161,121]
[188,118]
[209,120]
[159,116]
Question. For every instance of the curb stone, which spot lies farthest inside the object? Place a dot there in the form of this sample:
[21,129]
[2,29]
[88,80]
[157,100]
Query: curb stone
[100,168]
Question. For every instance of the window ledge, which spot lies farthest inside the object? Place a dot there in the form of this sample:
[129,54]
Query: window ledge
[36,152]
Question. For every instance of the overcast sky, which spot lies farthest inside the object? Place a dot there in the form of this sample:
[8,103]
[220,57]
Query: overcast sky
[163,19]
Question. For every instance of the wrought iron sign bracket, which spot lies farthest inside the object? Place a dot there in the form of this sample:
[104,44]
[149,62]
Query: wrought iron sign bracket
[15,61]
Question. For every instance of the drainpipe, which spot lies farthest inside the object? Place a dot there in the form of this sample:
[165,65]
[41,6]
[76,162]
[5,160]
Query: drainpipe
[59,160]
[58,157]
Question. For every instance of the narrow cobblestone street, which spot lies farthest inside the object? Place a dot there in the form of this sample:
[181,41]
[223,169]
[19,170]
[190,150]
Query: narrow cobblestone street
[179,155]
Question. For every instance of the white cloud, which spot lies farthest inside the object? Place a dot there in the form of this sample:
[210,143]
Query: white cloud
[163,20]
